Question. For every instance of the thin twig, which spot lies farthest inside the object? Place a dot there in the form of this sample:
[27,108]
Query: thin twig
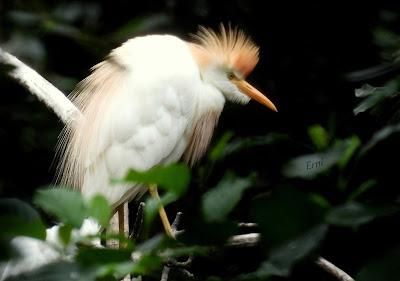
[333,269]
[41,88]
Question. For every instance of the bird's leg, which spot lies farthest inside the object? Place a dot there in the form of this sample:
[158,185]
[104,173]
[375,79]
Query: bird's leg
[163,215]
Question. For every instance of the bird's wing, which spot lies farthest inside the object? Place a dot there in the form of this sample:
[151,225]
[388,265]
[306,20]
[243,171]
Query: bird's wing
[131,121]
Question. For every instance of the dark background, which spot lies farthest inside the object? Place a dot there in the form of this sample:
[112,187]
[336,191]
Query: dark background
[310,58]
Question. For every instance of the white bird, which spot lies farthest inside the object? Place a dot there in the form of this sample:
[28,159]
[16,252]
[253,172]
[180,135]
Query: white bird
[155,100]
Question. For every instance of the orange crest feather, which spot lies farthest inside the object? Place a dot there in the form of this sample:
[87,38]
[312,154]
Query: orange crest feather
[231,46]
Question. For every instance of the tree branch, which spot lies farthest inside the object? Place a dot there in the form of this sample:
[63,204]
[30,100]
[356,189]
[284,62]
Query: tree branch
[333,269]
[41,88]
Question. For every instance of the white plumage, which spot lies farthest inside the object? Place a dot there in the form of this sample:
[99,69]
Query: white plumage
[154,100]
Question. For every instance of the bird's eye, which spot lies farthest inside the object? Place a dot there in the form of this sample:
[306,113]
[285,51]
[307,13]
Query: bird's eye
[231,76]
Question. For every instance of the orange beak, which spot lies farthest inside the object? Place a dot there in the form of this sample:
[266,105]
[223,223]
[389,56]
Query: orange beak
[254,94]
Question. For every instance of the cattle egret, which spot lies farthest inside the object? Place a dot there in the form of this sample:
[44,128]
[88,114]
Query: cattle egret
[154,100]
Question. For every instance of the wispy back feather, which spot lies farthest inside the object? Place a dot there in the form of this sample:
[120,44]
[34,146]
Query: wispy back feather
[92,96]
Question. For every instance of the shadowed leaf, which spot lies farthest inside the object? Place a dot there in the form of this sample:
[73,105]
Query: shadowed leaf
[282,259]
[218,202]
[355,214]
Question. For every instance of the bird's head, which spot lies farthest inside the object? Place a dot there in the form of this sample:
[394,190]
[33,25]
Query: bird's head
[225,60]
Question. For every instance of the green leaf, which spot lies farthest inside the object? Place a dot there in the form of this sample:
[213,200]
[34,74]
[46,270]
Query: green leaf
[18,208]
[311,165]
[380,135]
[67,205]
[365,186]
[294,212]
[355,214]
[145,265]
[352,144]
[242,144]
[185,251]
[283,258]
[20,219]
[319,136]
[12,225]
[373,96]
[65,233]
[218,202]
[173,178]
[385,267]
[218,149]
[100,210]
[90,256]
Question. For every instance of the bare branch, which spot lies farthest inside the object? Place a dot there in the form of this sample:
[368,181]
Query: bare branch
[244,240]
[247,224]
[333,269]
[41,88]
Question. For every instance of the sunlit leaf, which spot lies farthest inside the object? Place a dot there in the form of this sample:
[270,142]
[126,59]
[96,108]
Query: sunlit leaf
[319,136]
[385,267]
[174,178]
[218,202]
[67,205]
[100,210]
[355,214]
